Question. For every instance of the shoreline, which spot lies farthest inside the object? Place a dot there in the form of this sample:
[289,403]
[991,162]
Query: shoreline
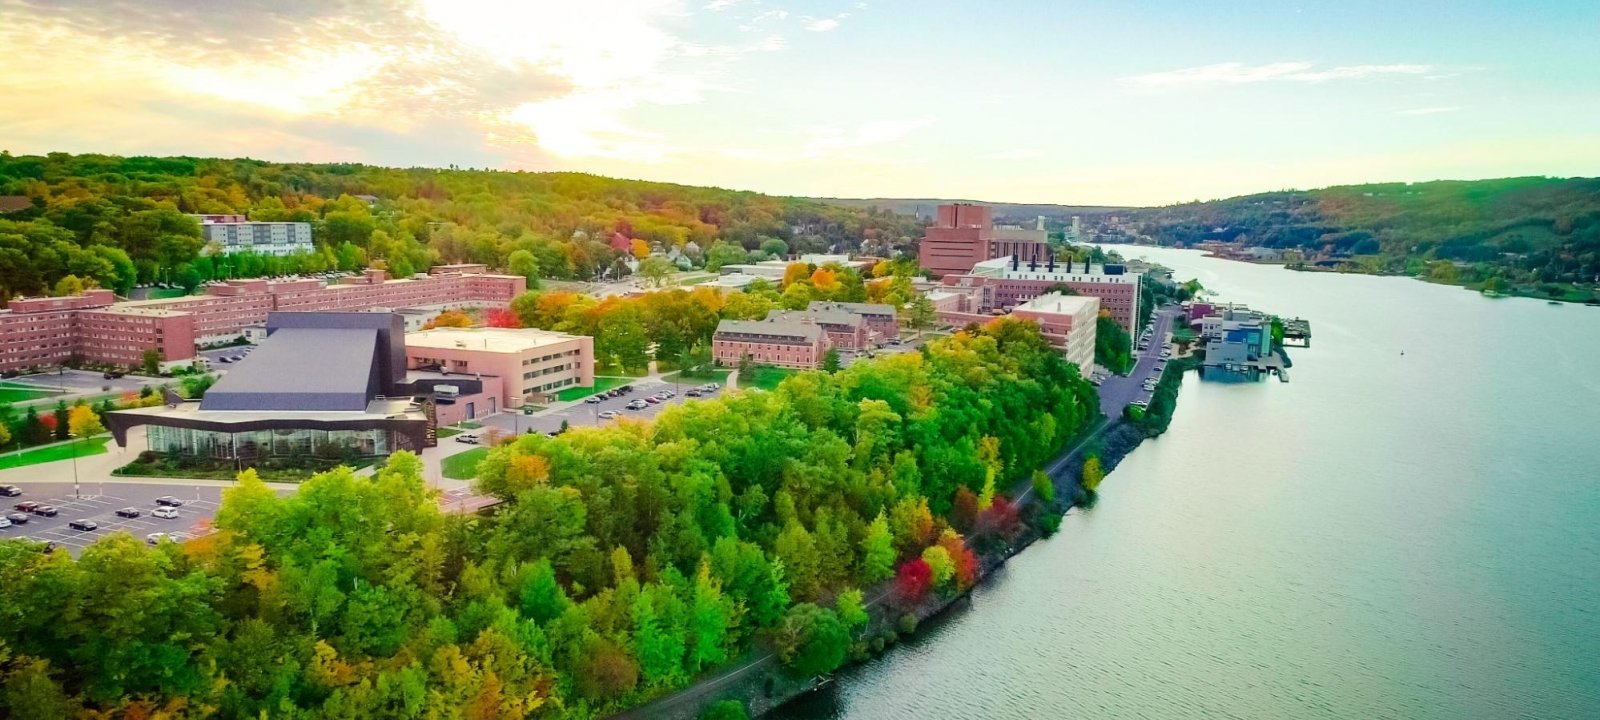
[761,685]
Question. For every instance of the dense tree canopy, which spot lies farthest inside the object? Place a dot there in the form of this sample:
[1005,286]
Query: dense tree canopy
[625,560]
[119,221]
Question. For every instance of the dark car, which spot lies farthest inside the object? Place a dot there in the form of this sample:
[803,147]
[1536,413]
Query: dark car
[46,510]
[26,506]
[169,501]
[128,512]
[626,388]
[84,525]
[693,392]
[18,518]
[10,490]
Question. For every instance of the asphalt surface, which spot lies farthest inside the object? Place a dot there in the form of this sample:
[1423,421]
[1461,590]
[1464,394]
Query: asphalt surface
[99,503]
[589,413]
[1116,391]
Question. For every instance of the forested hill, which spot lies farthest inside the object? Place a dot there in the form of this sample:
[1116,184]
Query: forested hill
[1528,229]
[119,220]
[924,207]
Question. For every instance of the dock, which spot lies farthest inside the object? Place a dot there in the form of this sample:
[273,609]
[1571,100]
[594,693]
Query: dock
[1298,330]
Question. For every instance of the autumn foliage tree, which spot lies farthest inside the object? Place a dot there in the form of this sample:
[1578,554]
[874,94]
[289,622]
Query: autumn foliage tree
[912,582]
[449,319]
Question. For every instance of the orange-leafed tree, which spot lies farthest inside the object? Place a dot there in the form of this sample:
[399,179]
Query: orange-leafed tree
[449,319]
[795,272]
[640,248]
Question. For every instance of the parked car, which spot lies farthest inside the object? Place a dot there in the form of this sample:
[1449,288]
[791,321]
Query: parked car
[653,400]
[626,388]
[10,490]
[592,400]
[225,360]
[693,392]
[4,523]
[638,405]
[26,506]
[18,518]
[607,415]
[468,439]
[179,537]
[128,513]
[164,512]
[83,525]
[155,538]
[46,511]
[169,501]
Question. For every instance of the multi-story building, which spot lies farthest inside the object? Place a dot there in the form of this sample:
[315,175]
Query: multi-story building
[515,364]
[1068,322]
[234,234]
[320,384]
[844,330]
[881,320]
[964,235]
[1003,283]
[36,332]
[769,342]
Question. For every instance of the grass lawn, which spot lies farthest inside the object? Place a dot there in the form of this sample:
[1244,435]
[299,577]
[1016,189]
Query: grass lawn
[767,378]
[91,446]
[445,432]
[601,384]
[704,376]
[463,466]
[156,293]
[17,392]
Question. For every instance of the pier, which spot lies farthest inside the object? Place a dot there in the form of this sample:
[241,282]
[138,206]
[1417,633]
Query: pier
[1298,330]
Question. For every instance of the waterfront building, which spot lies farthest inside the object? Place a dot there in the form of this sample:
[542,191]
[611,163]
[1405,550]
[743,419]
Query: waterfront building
[1068,322]
[769,342]
[1003,283]
[516,364]
[323,383]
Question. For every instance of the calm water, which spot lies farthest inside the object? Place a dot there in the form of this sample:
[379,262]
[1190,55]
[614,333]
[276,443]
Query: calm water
[1386,536]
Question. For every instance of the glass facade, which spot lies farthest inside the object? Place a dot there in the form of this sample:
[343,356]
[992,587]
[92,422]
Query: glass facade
[269,443]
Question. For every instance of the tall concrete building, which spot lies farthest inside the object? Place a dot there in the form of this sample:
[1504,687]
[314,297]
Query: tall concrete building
[1003,283]
[1068,322]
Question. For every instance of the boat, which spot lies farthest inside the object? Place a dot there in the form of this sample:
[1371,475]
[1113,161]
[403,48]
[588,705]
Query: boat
[1553,302]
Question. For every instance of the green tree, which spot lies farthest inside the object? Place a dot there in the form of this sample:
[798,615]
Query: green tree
[721,253]
[774,247]
[62,430]
[658,643]
[920,312]
[68,286]
[150,361]
[878,554]
[725,710]
[31,694]
[1092,474]
[710,615]
[852,611]
[1043,487]
[942,565]
[655,269]
[830,361]
[811,640]
[523,263]
[543,598]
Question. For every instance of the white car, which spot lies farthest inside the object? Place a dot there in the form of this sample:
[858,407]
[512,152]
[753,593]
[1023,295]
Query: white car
[164,512]
[4,523]
[155,538]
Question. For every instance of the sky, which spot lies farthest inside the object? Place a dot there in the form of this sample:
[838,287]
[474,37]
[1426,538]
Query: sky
[1060,101]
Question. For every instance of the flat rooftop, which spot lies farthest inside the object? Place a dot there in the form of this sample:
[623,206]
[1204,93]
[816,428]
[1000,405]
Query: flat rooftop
[1000,267]
[1060,304]
[496,340]
[301,369]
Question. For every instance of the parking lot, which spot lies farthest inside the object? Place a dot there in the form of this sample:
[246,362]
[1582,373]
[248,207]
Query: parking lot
[100,506]
[585,413]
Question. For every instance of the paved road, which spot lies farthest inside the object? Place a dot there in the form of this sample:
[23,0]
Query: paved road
[1117,391]
[79,383]
[99,502]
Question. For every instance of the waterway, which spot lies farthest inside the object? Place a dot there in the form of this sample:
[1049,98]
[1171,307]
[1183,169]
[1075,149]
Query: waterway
[1410,528]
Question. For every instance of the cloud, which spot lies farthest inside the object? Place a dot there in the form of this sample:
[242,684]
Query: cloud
[1235,73]
[1428,110]
[824,24]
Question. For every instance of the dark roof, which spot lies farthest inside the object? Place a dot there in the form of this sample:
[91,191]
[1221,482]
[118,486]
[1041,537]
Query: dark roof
[299,368]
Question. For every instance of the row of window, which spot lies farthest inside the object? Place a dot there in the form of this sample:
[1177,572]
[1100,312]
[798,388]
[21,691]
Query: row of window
[547,387]
[551,356]
[548,371]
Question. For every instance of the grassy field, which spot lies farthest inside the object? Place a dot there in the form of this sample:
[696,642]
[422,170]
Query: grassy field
[601,384]
[16,392]
[164,293]
[717,376]
[767,378]
[463,466]
[445,432]
[91,446]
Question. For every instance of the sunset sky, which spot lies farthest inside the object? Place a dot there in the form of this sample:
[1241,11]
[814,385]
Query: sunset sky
[1041,101]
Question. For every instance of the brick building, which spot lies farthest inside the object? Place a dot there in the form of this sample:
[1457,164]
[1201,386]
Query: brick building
[964,235]
[1004,283]
[513,364]
[882,322]
[769,342]
[844,330]
[36,332]
[1068,322]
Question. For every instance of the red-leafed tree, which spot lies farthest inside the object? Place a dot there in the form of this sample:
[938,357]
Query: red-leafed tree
[49,422]
[1001,519]
[912,581]
[501,318]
